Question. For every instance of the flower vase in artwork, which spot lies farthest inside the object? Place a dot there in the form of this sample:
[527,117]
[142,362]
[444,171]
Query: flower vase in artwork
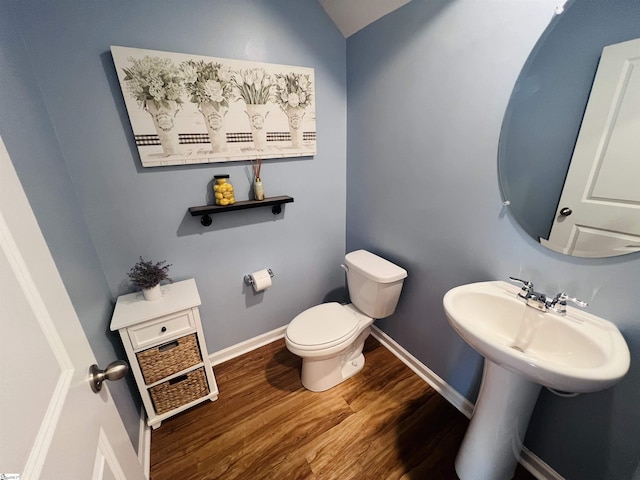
[257,114]
[214,113]
[295,114]
[163,114]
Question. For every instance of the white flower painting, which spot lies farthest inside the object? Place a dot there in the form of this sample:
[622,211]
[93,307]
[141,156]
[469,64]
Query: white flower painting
[187,109]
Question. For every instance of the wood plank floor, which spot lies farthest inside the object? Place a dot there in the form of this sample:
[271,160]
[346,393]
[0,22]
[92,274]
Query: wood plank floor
[383,423]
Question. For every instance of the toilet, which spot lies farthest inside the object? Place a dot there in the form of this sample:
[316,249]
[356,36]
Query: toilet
[330,337]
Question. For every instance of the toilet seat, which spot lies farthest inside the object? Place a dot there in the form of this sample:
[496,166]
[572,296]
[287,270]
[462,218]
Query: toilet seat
[322,327]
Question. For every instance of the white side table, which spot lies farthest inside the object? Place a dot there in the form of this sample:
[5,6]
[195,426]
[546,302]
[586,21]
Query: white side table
[166,349]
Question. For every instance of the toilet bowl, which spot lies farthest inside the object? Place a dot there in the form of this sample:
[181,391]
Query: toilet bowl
[330,337]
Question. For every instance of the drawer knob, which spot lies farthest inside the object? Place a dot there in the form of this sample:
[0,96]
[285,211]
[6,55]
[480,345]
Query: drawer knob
[163,329]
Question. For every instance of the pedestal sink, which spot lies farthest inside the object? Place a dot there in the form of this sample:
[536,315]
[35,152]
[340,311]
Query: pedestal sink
[524,349]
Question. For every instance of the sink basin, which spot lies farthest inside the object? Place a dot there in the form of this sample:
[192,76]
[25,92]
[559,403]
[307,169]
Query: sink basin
[524,349]
[577,352]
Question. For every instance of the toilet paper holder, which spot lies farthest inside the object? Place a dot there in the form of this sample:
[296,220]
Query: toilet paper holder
[249,281]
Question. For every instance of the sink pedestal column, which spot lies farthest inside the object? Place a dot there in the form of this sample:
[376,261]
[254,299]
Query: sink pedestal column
[491,447]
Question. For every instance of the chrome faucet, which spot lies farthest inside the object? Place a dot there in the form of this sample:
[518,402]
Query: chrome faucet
[559,303]
[533,299]
[539,301]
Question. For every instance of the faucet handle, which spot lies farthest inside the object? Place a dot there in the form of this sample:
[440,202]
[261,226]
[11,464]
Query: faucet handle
[559,302]
[527,286]
[526,283]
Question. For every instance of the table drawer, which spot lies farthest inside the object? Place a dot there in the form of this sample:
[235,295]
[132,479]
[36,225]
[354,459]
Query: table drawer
[162,330]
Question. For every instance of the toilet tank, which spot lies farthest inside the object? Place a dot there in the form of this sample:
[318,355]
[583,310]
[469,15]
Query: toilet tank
[374,283]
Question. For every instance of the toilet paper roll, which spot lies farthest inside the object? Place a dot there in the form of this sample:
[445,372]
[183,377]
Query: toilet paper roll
[261,280]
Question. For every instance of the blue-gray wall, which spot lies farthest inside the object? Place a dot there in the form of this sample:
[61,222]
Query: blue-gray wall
[427,89]
[428,86]
[66,128]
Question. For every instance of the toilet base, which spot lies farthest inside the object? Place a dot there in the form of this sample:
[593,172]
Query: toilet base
[322,374]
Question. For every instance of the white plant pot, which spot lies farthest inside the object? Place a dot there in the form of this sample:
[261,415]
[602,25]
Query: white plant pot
[153,293]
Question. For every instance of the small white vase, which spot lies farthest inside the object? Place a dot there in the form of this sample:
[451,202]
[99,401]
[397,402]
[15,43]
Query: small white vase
[153,293]
[258,190]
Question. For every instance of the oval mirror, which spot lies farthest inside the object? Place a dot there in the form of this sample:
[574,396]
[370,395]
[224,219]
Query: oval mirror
[543,130]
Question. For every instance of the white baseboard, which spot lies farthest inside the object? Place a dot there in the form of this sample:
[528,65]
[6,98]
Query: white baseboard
[144,444]
[439,385]
[537,467]
[247,346]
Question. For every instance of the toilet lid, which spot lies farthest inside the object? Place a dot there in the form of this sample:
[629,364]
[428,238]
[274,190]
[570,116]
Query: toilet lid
[321,325]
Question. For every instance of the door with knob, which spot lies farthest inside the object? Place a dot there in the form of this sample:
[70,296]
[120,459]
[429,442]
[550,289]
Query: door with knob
[599,210]
[53,425]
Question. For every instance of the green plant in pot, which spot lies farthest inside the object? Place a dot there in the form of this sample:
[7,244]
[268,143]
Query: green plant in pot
[147,275]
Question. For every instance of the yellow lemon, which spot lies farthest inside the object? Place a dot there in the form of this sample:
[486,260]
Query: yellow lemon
[218,195]
[216,188]
[224,201]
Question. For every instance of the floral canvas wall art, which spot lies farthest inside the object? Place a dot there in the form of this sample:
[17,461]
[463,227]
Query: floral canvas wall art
[187,109]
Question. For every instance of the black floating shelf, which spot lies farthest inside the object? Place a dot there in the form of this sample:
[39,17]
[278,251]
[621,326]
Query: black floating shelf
[205,210]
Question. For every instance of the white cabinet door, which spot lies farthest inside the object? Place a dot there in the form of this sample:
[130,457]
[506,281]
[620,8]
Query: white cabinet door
[602,188]
[52,426]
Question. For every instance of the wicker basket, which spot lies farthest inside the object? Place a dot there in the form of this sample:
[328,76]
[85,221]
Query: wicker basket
[164,360]
[179,391]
